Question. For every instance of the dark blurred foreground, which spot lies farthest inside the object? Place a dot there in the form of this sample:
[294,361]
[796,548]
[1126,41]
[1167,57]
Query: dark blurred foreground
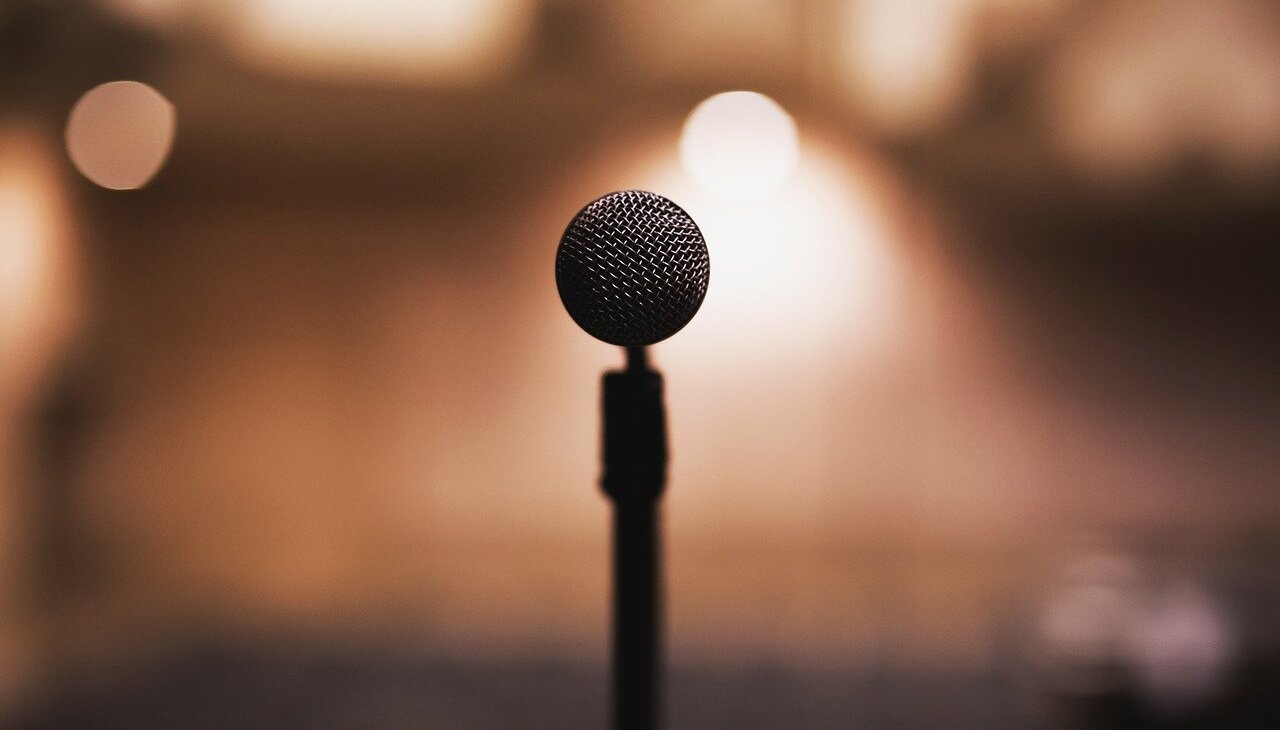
[304,687]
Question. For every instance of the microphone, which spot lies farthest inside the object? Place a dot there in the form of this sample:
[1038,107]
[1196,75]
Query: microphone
[632,269]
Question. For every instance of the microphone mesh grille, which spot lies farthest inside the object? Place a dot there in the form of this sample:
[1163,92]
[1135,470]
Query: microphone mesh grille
[632,268]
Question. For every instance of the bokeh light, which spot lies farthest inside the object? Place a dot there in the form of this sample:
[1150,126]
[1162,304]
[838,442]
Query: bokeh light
[1111,624]
[119,134]
[1086,622]
[37,265]
[912,65]
[907,60]
[814,264]
[739,145]
[21,253]
[807,289]
[408,40]
[1184,647]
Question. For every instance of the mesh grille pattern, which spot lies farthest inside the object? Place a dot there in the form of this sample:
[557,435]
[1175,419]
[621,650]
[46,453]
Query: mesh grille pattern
[632,268]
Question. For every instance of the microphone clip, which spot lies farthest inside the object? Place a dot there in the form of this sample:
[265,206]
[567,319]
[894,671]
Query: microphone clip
[635,432]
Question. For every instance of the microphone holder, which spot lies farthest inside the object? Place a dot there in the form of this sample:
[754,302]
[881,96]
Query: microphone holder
[635,474]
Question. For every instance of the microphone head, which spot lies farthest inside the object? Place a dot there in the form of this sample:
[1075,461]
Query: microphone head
[632,268]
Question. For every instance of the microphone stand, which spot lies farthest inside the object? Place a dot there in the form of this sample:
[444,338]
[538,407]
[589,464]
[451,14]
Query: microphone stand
[635,473]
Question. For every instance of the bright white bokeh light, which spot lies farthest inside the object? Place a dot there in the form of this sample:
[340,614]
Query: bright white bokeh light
[739,145]
[810,265]
[806,296]
[119,134]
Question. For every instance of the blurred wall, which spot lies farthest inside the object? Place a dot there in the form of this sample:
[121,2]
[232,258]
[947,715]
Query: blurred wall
[324,390]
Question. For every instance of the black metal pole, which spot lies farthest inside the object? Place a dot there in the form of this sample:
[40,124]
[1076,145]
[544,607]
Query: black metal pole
[636,616]
[635,465]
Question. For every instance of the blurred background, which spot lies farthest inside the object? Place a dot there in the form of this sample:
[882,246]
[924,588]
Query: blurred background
[977,427]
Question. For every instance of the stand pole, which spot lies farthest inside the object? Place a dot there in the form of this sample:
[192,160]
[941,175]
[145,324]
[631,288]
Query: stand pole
[635,466]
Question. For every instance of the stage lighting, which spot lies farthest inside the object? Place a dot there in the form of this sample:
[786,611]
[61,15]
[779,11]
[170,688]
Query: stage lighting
[439,41]
[38,266]
[119,134]
[739,145]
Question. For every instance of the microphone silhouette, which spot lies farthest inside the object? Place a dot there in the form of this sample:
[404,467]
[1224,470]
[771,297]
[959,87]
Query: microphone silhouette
[632,269]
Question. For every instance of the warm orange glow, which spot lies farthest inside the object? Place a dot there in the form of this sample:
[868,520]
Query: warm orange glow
[432,40]
[739,145]
[35,263]
[119,134]
[23,249]
[37,312]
